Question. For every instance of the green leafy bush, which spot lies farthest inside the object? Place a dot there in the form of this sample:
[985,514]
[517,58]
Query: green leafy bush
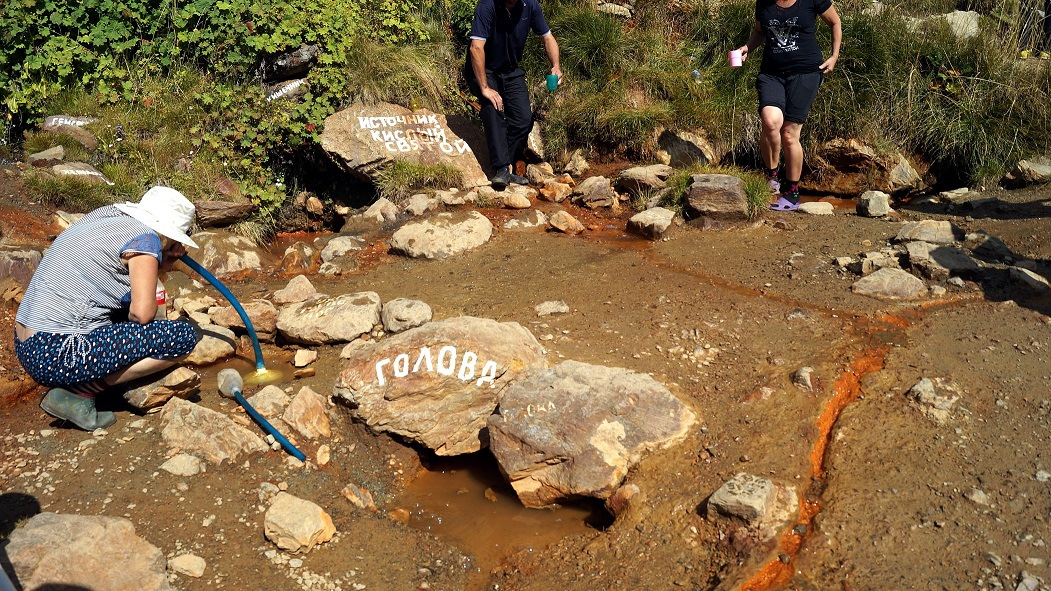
[48,45]
[106,58]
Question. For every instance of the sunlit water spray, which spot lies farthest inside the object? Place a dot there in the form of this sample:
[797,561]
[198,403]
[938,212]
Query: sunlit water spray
[263,375]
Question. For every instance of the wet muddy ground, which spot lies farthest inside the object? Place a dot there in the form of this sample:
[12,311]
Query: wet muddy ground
[722,317]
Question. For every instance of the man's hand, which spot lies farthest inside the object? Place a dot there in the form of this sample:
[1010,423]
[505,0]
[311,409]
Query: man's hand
[557,71]
[493,97]
[744,52]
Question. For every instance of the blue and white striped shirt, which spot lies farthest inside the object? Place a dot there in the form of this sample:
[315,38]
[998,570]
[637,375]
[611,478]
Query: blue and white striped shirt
[81,280]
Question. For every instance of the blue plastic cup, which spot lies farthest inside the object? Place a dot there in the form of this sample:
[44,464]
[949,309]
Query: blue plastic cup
[552,82]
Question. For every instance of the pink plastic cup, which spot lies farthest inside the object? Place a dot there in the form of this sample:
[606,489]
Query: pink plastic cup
[735,58]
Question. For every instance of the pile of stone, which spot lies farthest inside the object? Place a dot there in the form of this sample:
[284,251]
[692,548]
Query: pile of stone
[928,255]
[52,161]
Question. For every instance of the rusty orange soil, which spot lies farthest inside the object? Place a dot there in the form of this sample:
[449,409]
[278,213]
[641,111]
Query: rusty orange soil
[846,388]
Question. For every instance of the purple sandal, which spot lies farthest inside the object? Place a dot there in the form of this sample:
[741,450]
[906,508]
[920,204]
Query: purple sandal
[783,204]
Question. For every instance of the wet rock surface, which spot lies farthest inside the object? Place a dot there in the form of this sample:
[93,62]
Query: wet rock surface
[224,254]
[891,284]
[297,525]
[211,435]
[652,223]
[211,214]
[325,320]
[364,138]
[216,343]
[442,235]
[717,196]
[747,497]
[180,381]
[564,221]
[401,314]
[261,313]
[643,179]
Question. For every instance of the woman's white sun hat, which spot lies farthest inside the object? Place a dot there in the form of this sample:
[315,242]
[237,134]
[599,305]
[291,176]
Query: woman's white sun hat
[164,210]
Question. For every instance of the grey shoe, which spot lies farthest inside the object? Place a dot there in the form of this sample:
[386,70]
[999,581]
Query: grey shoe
[518,179]
[501,179]
[80,411]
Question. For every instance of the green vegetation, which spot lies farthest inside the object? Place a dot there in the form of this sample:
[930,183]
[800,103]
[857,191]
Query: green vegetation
[971,107]
[403,179]
[181,82]
[68,192]
[755,186]
[968,106]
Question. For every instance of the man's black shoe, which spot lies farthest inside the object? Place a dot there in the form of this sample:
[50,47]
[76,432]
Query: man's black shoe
[501,179]
[518,179]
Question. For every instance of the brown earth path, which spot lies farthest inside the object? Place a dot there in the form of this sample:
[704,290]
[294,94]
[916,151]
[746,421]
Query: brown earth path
[891,489]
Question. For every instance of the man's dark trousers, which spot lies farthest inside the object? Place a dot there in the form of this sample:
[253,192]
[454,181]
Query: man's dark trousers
[507,132]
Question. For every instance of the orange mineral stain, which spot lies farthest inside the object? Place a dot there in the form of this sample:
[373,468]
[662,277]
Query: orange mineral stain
[846,389]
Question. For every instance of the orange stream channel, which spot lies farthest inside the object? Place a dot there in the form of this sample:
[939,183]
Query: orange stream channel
[846,389]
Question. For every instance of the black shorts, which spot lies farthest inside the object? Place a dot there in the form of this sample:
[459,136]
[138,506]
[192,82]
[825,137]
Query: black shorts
[793,94]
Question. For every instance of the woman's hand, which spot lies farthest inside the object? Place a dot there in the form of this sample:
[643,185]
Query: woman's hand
[828,65]
[744,52]
[171,254]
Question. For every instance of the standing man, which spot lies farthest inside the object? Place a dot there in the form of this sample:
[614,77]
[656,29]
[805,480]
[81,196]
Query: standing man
[789,76]
[498,37]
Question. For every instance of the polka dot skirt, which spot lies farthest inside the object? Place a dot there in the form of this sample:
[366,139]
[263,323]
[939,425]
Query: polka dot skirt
[63,360]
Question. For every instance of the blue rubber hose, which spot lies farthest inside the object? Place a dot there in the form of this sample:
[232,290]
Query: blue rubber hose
[285,443]
[259,365]
[230,385]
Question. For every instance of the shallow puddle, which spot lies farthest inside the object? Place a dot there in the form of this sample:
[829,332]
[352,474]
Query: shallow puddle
[467,502]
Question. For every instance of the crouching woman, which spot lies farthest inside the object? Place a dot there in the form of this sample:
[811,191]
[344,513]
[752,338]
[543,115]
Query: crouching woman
[86,322]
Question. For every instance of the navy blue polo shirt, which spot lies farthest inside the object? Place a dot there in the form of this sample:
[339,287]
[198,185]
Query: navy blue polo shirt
[504,31]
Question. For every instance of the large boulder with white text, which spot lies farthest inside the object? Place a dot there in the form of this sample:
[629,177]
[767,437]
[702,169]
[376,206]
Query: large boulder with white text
[364,139]
[438,384]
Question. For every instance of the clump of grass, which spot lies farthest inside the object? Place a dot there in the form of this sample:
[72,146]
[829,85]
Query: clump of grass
[411,75]
[70,193]
[401,179]
[44,140]
[640,201]
[757,188]
[258,231]
[485,200]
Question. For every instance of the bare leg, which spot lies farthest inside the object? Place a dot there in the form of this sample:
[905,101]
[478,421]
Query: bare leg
[793,150]
[140,368]
[770,140]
